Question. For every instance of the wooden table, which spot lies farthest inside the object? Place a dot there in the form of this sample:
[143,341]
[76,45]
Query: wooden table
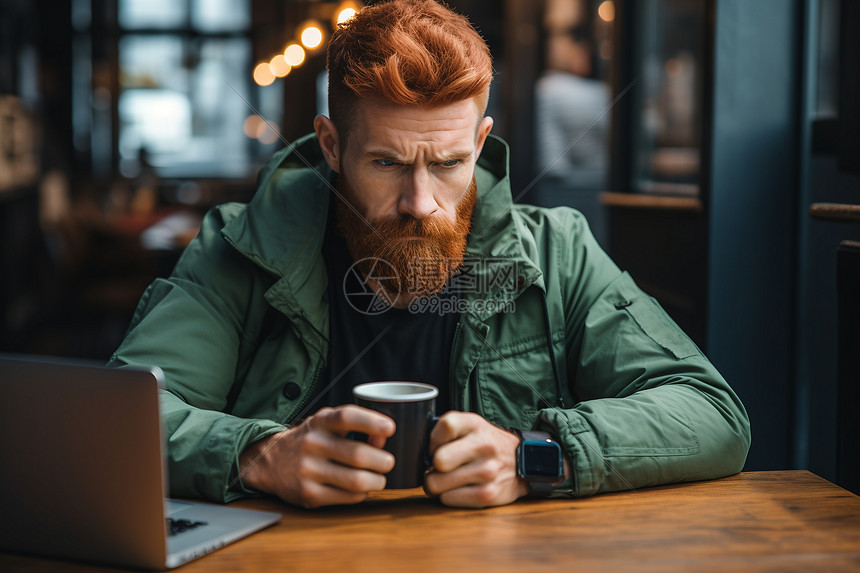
[755,521]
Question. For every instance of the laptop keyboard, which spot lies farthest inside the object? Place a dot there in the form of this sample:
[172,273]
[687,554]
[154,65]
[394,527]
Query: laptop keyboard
[177,526]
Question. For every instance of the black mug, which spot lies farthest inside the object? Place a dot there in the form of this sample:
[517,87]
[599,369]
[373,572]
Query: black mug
[412,406]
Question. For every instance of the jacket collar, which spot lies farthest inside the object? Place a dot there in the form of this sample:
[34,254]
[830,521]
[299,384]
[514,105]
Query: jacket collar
[283,227]
[506,255]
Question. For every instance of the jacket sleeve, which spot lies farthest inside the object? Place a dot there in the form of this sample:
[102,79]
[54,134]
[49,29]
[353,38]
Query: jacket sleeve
[651,409]
[189,326]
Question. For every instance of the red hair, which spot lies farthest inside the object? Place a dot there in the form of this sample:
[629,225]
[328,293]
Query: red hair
[409,52]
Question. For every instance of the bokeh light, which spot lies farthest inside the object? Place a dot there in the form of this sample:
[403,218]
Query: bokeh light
[263,74]
[345,15]
[345,10]
[258,128]
[279,66]
[269,134]
[252,124]
[311,36]
[606,11]
[294,54]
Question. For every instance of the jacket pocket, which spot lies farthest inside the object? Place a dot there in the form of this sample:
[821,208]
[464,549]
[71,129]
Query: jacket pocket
[676,437]
[513,386]
[659,327]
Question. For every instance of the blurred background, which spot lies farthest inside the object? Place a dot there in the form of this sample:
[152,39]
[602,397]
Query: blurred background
[714,146]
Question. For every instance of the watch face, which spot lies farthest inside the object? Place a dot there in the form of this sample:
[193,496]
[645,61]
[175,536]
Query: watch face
[541,459]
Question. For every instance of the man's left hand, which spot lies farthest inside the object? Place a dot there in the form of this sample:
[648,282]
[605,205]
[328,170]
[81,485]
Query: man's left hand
[474,462]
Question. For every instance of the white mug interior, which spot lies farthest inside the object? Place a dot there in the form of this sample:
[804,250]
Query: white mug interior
[395,391]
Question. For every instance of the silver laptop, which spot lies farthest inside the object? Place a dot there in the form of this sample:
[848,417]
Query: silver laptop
[82,471]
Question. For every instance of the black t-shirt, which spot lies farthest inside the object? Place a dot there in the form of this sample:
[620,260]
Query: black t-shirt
[373,343]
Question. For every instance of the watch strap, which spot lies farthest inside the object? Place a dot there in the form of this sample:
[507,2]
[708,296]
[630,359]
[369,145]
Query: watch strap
[540,488]
[534,435]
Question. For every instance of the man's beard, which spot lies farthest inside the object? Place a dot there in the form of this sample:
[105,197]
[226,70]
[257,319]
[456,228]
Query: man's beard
[421,266]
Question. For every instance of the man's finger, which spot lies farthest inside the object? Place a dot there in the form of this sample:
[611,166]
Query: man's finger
[320,494]
[376,441]
[360,455]
[476,496]
[451,455]
[350,418]
[350,479]
[451,426]
[473,472]
[437,483]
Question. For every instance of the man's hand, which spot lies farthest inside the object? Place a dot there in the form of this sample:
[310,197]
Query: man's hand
[314,464]
[474,462]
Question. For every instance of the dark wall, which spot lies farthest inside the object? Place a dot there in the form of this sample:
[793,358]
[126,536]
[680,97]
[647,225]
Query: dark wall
[818,314]
[753,188]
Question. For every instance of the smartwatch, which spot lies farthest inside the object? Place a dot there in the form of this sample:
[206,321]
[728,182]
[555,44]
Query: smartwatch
[539,461]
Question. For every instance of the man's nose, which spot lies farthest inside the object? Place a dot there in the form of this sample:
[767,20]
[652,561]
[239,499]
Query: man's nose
[416,198]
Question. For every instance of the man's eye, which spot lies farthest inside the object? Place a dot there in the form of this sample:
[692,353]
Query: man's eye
[386,162]
[451,163]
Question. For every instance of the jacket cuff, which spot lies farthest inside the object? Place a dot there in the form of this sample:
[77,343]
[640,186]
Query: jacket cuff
[580,448]
[235,488]
[209,466]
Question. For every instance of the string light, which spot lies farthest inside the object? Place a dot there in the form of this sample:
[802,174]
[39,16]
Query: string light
[345,11]
[311,35]
[294,54]
[258,128]
[269,134]
[344,15]
[279,66]
[606,11]
[263,74]
[251,127]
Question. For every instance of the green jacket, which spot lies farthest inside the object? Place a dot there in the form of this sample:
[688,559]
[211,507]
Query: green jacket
[240,330]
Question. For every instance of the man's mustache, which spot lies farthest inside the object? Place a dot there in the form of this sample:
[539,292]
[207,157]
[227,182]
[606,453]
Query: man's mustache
[408,226]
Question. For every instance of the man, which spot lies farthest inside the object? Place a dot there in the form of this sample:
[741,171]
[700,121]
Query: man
[404,192]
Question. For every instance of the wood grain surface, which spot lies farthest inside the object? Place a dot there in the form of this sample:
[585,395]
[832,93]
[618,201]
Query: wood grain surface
[754,521]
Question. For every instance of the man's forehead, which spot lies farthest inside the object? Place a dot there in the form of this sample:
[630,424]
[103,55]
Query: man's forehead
[374,110]
[388,126]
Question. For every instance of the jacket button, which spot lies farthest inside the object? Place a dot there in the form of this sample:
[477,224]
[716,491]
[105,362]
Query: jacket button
[292,390]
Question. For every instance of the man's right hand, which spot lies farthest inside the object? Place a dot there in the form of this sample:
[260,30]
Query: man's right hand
[314,464]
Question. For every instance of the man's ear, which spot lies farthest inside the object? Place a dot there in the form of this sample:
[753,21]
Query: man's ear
[483,131]
[329,141]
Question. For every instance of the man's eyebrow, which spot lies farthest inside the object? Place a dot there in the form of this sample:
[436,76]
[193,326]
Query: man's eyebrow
[384,152]
[457,154]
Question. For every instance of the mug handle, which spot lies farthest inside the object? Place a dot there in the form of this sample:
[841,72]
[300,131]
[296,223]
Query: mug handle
[428,462]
